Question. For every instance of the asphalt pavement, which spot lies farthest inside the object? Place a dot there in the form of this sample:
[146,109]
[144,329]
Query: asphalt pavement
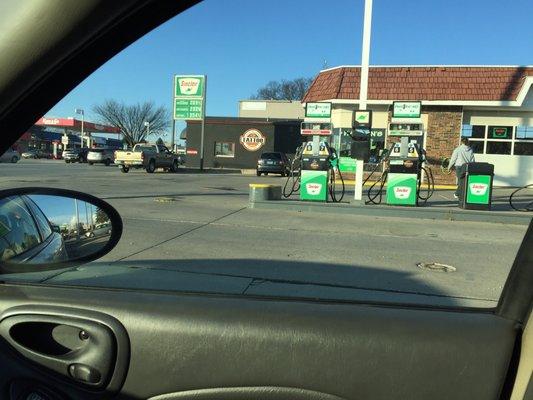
[194,232]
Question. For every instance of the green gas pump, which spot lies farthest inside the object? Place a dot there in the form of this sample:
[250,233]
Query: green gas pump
[315,170]
[315,167]
[405,164]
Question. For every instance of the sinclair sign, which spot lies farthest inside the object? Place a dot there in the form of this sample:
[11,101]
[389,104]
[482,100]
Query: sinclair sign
[252,139]
[189,97]
[189,86]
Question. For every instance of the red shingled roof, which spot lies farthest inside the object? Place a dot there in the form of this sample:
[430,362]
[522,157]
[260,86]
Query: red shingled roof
[421,83]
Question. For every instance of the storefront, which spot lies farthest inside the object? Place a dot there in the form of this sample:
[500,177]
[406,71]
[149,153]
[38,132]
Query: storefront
[239,142]
[491,105]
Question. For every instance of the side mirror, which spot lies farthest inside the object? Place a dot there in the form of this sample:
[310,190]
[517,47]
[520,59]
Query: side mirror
[44,229]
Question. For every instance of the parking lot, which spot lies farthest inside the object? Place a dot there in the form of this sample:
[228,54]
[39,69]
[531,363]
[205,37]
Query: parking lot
[193,231]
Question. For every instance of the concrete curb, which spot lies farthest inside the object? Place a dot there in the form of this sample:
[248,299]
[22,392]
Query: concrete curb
[434,213]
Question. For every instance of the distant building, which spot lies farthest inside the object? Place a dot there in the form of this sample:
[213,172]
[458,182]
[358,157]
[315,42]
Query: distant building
[286,109]
[238,142]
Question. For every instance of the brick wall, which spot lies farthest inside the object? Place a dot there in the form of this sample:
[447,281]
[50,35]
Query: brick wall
[443,135]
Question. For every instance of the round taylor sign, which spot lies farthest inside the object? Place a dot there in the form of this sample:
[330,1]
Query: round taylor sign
[253,139]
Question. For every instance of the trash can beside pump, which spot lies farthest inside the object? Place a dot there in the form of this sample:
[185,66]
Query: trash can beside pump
[475,192]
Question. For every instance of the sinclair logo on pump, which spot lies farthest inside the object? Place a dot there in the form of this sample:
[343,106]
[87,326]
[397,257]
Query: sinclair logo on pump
[313,188]
[478,189]
[402,192]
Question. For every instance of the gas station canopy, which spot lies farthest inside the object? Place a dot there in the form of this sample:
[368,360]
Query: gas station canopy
[75,125]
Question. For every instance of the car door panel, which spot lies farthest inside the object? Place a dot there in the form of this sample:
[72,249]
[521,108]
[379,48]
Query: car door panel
[183,345]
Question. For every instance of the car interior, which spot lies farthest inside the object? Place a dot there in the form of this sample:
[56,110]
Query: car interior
[61,342]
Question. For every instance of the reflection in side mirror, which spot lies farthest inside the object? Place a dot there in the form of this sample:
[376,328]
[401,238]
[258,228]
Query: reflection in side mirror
[43,229]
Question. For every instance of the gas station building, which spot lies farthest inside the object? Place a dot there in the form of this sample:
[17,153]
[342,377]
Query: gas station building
[74,132]
[492,105]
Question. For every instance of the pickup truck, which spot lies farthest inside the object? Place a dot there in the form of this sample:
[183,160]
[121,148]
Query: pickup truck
[147,156]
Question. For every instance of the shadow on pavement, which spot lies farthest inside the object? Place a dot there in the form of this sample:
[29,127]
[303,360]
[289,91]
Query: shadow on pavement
[285,279]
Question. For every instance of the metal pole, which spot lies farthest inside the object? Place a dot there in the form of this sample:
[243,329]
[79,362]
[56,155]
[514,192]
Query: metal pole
[173,134]
[82,121]
[172,139]
[77,219]
[365,56]
[203,126]
[363,89]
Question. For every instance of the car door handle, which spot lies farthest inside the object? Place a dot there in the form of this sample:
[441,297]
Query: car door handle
[81,350]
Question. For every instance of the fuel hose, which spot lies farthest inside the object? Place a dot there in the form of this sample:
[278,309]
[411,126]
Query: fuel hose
[294,176]
[333,170]
[379,193]
[512,201]
[430,188]
[332,184]
[444,164]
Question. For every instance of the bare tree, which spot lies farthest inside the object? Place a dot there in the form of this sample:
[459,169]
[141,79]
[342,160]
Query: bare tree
[130,119]
[284,90]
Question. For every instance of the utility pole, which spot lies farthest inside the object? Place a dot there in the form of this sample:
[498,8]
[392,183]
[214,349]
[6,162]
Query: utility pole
[82,135]
[363,89]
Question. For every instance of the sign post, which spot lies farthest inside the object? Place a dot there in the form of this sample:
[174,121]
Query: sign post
[202,132]
[189,103]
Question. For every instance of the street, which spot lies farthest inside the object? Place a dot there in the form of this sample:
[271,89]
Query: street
[191,231]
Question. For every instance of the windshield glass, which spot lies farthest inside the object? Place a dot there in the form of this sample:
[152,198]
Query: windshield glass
[404,166]
[144,148]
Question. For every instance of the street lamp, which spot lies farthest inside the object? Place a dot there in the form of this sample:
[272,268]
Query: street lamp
[147,124]
[80,111]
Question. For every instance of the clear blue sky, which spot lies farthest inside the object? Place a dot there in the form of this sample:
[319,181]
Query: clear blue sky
[242,44]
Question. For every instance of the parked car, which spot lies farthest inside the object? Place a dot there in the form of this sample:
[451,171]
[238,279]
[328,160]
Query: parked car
[102,229]
[147,156]
[75,155]
[36,153]
[10,156]
[102,156]
[274,162]
[26,234]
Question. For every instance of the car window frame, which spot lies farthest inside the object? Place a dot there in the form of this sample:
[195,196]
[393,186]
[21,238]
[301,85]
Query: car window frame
[34,209]
[103,41]
[25,207]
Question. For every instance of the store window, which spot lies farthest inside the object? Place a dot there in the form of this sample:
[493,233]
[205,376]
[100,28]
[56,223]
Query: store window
[224,149]
[500,132]
[524,133]
[499,148]
[500,139]
[473,131]
[476,135]
[477,146]
[523,149]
